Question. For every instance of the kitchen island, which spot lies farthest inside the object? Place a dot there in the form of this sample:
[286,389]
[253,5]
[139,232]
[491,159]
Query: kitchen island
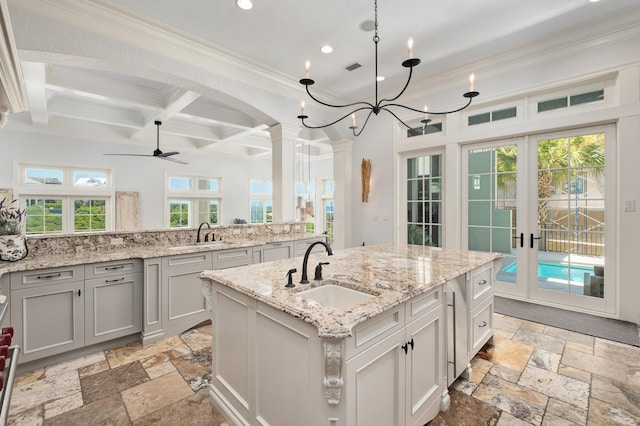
[373,349]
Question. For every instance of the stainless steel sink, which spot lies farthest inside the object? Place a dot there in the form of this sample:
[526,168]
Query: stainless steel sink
[336,296]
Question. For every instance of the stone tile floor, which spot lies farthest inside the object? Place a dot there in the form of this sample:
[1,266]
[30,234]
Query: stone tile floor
[535,374]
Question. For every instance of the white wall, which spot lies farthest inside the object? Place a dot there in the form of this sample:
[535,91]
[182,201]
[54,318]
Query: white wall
[141,174]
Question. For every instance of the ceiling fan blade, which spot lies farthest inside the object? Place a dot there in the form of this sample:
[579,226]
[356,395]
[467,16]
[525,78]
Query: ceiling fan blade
[175,160]
[168,154]
[133,155]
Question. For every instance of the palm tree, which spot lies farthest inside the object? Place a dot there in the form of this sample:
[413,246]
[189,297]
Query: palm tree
[560,161]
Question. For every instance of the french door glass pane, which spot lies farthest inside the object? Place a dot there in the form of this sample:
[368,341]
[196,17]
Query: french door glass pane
[424,195]
[571,214]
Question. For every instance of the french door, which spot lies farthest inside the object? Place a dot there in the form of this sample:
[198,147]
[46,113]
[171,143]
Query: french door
[542,202]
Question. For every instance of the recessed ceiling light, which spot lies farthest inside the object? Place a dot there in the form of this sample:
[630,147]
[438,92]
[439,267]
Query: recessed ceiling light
[326,49]
[380,78]
[244,4]
[593,1]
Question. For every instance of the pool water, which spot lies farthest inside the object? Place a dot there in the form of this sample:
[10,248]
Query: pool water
[557,271]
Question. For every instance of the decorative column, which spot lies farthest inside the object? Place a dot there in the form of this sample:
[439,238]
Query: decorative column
[283,156]
[342,196]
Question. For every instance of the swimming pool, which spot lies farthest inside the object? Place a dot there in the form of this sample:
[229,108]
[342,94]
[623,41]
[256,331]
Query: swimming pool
[557,271]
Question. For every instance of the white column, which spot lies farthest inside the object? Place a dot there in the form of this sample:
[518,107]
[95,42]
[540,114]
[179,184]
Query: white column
[342,177]
[283,156]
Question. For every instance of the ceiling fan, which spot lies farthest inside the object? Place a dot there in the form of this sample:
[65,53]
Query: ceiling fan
[157,153]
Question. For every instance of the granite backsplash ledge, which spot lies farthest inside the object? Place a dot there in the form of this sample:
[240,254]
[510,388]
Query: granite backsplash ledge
[108,242]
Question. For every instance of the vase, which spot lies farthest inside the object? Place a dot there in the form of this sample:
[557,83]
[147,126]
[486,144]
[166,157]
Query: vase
[13,247]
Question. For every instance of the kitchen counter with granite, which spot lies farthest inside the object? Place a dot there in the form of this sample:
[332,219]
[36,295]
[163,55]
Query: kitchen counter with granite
[392,273]
[69,250]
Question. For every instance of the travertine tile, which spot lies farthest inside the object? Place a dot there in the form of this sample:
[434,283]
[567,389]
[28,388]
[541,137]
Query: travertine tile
[100,385]
[194,365]
[603,414]
[465,410]
[197,408]
[615,392]
[63,405]
[74,364]
[43,391]
[157,365]
[575,373]
[31,417]
[93,369]
[539,340]
[594,364]
[106,411]
[508,353]
[555,385]
[507,419]
[135,351]
[29,377]
[587,349]
[554,420]
[629,355]
[569,335]
[197,339]
[479,367]
[155,394]
[562,410]
[532,326]
[546,360]
[525,404]
[505,373]
[508,324]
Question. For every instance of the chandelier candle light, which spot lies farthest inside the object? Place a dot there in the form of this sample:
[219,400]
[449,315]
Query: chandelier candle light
[382,104]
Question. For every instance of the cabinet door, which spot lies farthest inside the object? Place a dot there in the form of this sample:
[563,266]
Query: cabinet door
[425,362]
[276,251]
[48,320]
[375,384]
[183,303]
[113,307]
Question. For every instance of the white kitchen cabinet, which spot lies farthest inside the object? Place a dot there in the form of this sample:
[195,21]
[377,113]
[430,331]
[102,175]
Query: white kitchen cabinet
[301,246]
[398,380]
[265,359]
[113,300]
[273,251]
[47,311]
[469,318]
[183,305]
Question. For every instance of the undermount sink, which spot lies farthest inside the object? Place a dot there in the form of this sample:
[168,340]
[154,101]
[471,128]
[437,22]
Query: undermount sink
[193,246]
[336,296]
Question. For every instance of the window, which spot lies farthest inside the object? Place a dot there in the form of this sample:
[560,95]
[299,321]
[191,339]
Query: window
[328,207]
[65,199]
[192,200]
[260,202]
[424,200]
[573,100]
[487,117]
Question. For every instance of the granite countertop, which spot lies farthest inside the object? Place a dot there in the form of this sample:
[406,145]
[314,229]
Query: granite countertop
[392,273]
[140,251]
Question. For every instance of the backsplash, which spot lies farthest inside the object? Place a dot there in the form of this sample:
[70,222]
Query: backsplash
[106,242]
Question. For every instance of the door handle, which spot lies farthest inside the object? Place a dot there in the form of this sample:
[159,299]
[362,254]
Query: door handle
[521,239]
[531,240]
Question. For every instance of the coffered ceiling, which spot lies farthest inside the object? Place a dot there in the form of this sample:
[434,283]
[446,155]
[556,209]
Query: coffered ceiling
[273,40]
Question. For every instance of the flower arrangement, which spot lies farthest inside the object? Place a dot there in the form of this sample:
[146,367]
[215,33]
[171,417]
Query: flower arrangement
[10,218]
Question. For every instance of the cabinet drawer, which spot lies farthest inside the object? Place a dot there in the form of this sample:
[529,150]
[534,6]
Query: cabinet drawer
[96,270]
[481,325]
[46,276]
[232,257]
[481,284]
[422,304]
[302,246]
[368,333]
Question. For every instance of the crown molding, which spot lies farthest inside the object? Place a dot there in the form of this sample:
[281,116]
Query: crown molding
[13,96]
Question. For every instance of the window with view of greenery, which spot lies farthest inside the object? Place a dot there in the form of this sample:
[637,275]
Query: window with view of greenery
[260,202]
[61,200]
[192,200]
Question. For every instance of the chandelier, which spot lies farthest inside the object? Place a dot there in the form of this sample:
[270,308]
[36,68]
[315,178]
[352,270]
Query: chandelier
[382,104]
